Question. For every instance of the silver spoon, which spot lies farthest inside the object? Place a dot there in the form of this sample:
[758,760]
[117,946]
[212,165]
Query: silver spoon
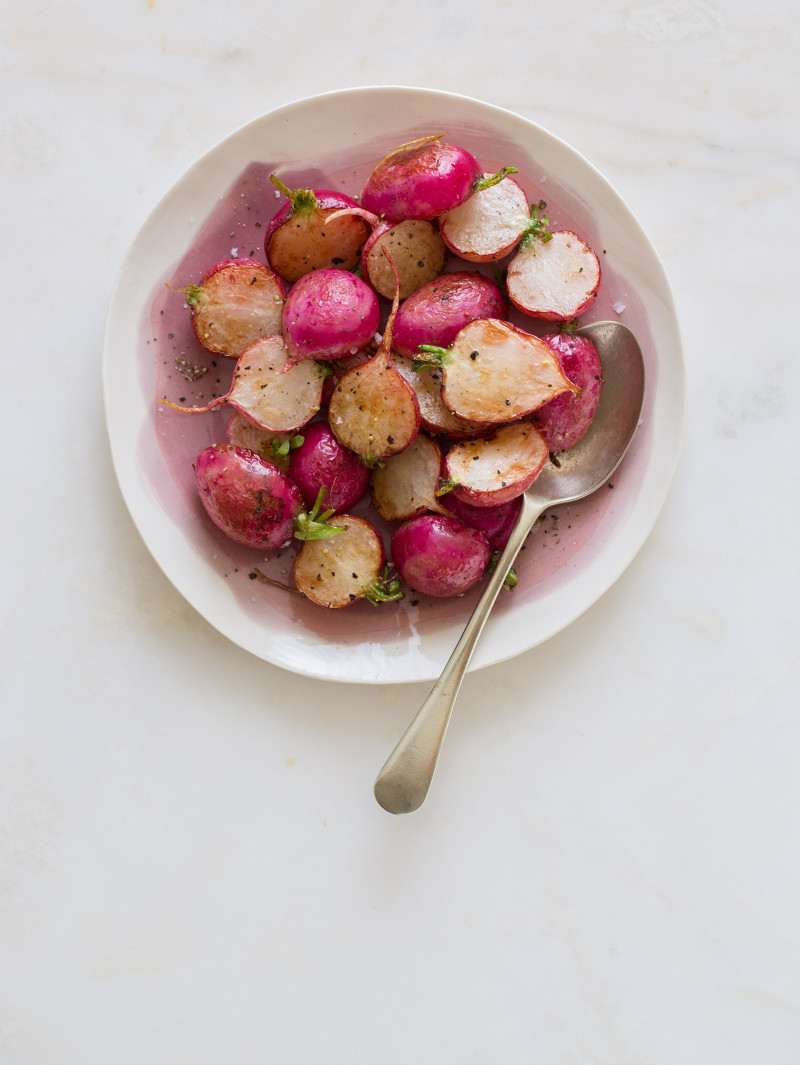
[403,783]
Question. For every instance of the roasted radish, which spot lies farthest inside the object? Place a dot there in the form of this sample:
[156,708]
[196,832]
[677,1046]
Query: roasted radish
[265,391]
[566,419]
[416,249]
[348,567]
[329,313]
[495,521]
[405,485]
[435,313]
[439,556]
[555,279]
[274,447]
[320,462]
[494,372]
[235,303]
[434,414]
[489,225]
[300,238]
[423,179]
[492,470]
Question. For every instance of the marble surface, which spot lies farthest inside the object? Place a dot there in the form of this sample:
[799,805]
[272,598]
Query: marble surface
[192,866]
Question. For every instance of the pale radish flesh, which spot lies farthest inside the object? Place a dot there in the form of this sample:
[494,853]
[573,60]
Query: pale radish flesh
[405,485]
[329,313]
[321,462]
[555,279]
[492,470]
[266,392]
[434,414]
[436,311]
[300,237]
[237,302]
[337,572]
[416,249]
[566,419]
[439,555]
[494,372]
[488,225]
[274,447]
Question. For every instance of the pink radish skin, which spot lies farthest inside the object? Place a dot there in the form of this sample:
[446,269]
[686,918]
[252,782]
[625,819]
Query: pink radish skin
[495,521]
[566,419]
[235,303]
[320,461]
[328,314]
[489,225]
[249,499]
[439,556]
[437,311]
[422,179]
[555,280]
[495,469]
[301,237]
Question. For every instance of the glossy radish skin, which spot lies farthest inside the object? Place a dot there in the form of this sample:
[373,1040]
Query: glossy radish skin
[439,556]
[246,497]
[300,237]
[320,461]
[235,303]
[493,470]
[421,180]
[555,279]
[437,311]
[566,419]
[495,521]
[328,314]
[489,225]
[337,572]
[416,249]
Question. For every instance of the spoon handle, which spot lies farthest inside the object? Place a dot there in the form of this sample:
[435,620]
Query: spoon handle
[403,783]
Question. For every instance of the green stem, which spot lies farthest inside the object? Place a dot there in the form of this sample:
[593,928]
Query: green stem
[436,356]
[313,525]
[303,201]
[495,179]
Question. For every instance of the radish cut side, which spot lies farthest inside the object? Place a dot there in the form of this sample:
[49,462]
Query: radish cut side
[435,415]
[556,280]
[497,468]
[238,302]
[417,251]
[489,224]
[336,572]
[405,485]
[271,398]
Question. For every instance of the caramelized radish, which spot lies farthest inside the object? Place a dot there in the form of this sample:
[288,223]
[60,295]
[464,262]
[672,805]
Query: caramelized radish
[406,484]
[435,313]
[556,279]
[373,410]
[423,179]
[492,470]
[274,447]
[265,391]
[566,419]
[489,225]
[434,414]
[439,556]
[300,237]
[320,462]
[416,249]
[235,303]
[494,372]
[329,313]
[346,568]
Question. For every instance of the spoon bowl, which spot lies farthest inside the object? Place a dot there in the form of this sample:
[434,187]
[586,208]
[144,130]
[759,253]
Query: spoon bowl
[404,781]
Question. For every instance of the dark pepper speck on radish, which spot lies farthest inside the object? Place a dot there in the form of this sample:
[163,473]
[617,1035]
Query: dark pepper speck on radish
[439,556]
[436,312]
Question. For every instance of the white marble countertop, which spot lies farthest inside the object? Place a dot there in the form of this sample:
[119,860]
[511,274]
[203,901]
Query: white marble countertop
[193,869]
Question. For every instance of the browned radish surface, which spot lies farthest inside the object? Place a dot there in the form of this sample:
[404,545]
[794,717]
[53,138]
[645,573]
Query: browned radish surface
[434,413]
[497,468]
[405,485]
[310,242]
[275,447]
[495,373]
[417,251]
[337,571]
[489,224]
[235,305]
[555,279]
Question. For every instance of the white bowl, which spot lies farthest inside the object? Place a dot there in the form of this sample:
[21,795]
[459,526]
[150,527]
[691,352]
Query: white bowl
[333,140]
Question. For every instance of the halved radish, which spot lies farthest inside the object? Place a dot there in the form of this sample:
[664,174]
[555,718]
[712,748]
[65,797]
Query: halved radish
[556,280]
[271,396]
[434,414]
[566,419]
[416,249]
[346,568]
[497,468]
[439,555]
[235,303]
[422,179]
[494,372]
[274,447]
[300,237]
[329,313]
[405,485]
[434,313]
[489,225]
